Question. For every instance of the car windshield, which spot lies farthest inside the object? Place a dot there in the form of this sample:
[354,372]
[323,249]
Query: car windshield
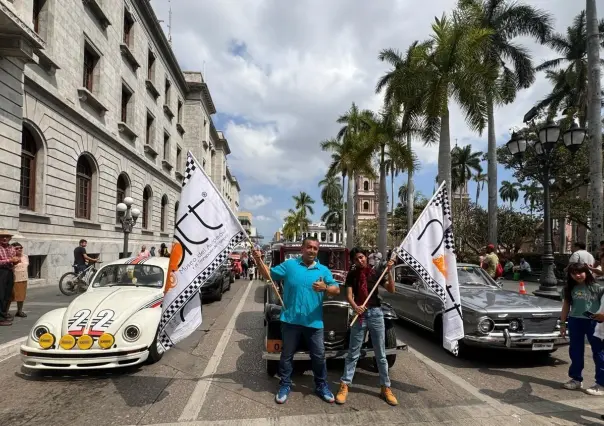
[473,276]
[130,275]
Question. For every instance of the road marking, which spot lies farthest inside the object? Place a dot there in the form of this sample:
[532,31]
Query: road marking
[198,397]
[10,349]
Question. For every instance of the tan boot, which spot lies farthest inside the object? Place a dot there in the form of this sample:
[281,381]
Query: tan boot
[342,394]
[387,394]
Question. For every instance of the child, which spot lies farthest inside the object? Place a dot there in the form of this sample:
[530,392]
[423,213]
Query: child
[582,295]
[252,271]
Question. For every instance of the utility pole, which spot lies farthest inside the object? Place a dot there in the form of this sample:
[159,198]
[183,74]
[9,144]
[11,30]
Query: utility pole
[594,124]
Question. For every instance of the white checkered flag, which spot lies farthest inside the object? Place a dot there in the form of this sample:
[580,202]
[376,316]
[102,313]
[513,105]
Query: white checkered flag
[205,233]
[429,250]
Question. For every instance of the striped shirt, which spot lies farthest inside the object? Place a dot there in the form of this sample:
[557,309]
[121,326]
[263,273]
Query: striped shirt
[303,305]
[7,252]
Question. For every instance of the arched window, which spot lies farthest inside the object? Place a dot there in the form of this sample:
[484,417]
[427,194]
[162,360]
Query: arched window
[29,150]
[366,185]
[176,212]
[331,237]
[366,206]
[121,191]
[323,236]
[83,188]
[164,216]
[146,214]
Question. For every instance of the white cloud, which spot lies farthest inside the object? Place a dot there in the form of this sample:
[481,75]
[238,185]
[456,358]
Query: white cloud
[255,201]
[262,218]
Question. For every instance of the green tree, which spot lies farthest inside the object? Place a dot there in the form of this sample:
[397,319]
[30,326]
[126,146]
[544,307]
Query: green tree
[333,218]
[464,163]
[510,65]
[532,194]
[480,178]
[509,191]
[331,190]
[304,203]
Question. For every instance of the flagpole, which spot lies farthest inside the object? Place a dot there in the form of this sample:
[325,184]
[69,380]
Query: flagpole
[268,273]
[392,257]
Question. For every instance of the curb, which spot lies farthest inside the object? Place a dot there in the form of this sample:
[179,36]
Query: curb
[10,349]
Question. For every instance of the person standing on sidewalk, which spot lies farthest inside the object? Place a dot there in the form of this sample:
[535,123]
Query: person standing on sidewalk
[8,260]
[305,281]
[491,260]
[20,285]
[582,295]
[359,283]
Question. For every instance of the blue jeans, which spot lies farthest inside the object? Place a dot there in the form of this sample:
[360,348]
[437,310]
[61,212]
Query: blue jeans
[578,329]
[292,334]
[372,320]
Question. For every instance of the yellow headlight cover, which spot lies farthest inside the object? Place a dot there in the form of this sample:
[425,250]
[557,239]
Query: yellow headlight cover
[46,340]
[67,342]
[106,340]
[85,342]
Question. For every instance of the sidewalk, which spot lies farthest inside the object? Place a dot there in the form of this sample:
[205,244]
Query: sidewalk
[39,301]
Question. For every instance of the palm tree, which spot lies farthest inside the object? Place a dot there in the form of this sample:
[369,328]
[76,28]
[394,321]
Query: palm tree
[331,190]
[570,91]
[504,20]
[333,218]
[403,193]
[341,163]
[480,178]
[532,194]
[464,163]
[304,203]
[509,191]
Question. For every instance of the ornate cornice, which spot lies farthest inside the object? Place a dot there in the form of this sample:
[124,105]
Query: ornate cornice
[31,35]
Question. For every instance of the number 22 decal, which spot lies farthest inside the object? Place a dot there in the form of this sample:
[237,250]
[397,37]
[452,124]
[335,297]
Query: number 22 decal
[98,325]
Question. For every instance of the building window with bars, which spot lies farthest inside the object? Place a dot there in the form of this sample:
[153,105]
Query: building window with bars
[29,152]
[147,195]
[91,60]
[84,172]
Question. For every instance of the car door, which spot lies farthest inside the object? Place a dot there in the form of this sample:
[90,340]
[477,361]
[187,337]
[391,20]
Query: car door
[409,297]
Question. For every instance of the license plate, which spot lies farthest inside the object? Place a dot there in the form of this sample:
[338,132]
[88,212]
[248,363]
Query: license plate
[543,346]
[274,345]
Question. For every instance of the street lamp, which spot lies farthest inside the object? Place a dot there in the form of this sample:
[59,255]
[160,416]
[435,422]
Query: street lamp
[548,138]
[128,217]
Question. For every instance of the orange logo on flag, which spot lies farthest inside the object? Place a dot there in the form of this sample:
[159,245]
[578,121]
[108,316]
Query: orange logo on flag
[440,264]
[175,257]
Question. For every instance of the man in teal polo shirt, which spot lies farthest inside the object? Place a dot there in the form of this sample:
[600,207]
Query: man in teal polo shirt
[304,282]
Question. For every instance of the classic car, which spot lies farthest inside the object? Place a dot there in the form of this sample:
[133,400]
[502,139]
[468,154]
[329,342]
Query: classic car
[337,313]
[113,324]
[235,263]
[492,317]
[217,284]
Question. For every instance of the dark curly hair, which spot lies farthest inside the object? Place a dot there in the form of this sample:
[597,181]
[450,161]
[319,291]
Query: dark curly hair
[570,281]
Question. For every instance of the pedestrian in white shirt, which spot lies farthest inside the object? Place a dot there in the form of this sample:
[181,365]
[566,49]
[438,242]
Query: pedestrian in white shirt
[581,255]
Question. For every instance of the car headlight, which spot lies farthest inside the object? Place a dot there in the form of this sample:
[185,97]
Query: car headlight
[67,342]
[131,333]
[514,325]
[38,332]
[46,340]
[85,342]
[106,340]
[486,325]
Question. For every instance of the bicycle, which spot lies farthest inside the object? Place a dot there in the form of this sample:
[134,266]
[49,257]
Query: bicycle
[72,283]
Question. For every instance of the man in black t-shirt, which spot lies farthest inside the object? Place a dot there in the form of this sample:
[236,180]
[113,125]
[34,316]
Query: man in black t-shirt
[361,279]
[80,257]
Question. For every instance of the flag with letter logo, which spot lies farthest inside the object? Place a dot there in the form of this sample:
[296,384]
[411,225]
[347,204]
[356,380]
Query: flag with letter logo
[205,233]
[429,250]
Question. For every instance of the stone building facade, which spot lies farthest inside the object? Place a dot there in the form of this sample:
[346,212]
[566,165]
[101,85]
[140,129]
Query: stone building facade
[93,108]
[320,231]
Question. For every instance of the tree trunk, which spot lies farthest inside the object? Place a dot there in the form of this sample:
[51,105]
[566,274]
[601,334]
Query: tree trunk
[410,195]
[343,209]
[382,208]
[444,153]
[562,235]
[492,172]
[595,125]
[350,211]
[392,206]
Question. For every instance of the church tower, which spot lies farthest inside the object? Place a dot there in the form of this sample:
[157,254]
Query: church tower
[366,199]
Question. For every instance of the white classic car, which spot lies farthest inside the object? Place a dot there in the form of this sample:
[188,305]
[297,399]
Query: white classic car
[113,324]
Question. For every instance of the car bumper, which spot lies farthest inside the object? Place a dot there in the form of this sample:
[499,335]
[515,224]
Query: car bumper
[336,354]
[518,341]
[52,359]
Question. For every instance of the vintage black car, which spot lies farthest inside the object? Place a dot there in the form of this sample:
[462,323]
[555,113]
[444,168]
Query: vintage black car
[337,313]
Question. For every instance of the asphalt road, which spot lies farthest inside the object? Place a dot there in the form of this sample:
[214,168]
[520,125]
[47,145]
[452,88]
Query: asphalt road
[217,376]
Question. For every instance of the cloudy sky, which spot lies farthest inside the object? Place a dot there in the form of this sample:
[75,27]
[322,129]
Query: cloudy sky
[281,72]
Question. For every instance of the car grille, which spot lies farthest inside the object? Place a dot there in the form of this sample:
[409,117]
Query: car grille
[335,323]
[539,325]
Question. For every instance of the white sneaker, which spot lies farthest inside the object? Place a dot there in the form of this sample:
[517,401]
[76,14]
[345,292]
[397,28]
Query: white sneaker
[595,390]
[573,385]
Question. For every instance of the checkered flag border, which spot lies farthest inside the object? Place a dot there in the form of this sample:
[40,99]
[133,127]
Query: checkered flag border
[190,167]
[422,273]
[442,200]
[192,289]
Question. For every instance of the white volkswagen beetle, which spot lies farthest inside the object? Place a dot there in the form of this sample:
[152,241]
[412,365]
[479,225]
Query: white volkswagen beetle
[113,324]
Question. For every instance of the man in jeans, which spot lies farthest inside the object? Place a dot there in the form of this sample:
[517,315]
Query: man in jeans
[8,260]
[304,282]
[80,257]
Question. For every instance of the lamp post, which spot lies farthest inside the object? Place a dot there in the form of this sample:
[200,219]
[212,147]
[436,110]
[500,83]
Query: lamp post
[543,147]
[128,217]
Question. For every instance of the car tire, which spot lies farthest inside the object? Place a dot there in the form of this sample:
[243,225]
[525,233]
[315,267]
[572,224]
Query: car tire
[272,367]
[219,291]
[154,354]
